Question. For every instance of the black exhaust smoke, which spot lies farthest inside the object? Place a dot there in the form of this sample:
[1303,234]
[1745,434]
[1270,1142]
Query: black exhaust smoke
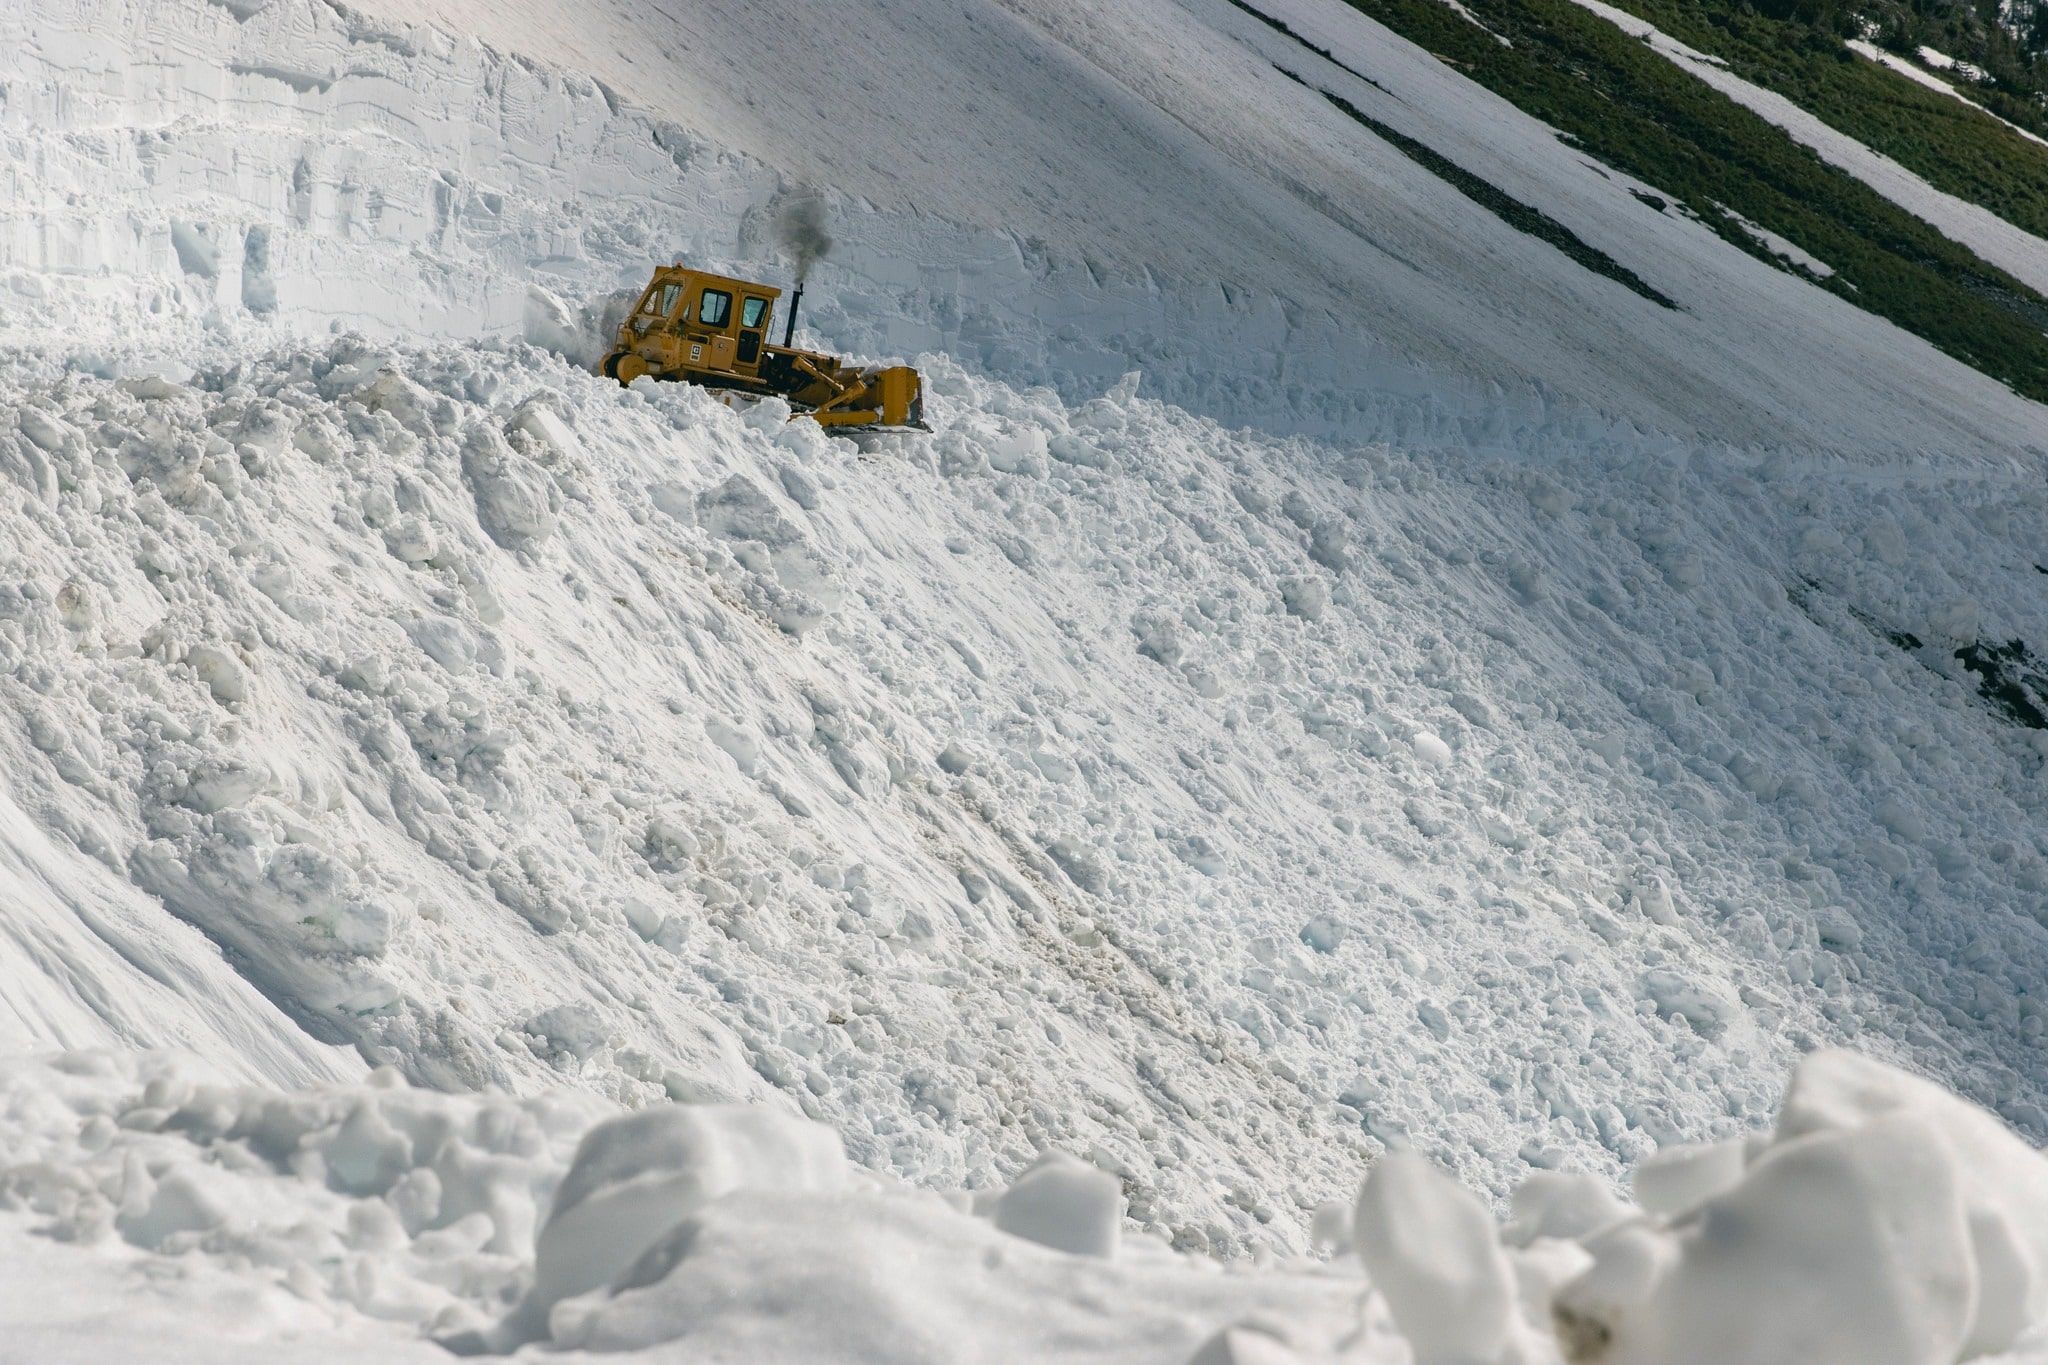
[800,228]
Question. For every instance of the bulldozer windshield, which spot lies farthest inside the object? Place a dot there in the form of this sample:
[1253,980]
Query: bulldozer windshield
[661,302]
[753,311]
[715,309]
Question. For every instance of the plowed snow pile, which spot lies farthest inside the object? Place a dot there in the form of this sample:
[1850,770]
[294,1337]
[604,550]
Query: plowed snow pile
[1882,1222]
[1220,809]
[493,858]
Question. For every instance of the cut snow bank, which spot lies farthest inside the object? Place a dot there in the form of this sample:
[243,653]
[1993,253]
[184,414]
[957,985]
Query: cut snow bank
[1883,1222]
[1224,809]
[1055,194]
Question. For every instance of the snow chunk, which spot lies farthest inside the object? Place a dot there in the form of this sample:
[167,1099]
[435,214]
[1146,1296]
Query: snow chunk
[217,785]
[2002,1184]
[446,641]
[637,1176]
[1655,899]
[1561,1205]
[1324,934]
[741,745]
[366,1155]
[1158,637]
[545,425]
[1064,1203]
[1305,597]
[1676,1179]
[572,1027]
[1902,820]
[516,501]
[1431,750]
[1431,1250]
[1838,1248]
[1699,1002]
[50,433]
[1838,928]
[221,671]
[189,1199]
[1019,452]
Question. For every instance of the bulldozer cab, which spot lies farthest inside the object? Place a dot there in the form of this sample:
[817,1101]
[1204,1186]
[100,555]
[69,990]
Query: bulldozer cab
[703,322]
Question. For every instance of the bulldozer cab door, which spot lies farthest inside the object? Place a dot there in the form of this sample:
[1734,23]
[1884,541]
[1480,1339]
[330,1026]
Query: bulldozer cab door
[753,324]
[737,321]
[715,316]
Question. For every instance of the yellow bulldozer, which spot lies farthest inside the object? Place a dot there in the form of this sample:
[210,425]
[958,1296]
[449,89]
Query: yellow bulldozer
[712,330]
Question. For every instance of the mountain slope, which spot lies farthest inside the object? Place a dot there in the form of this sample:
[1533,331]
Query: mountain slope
[1333,604]
[388,700]
[1142,186]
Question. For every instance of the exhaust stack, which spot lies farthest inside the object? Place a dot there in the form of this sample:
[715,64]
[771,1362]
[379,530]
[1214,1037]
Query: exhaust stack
[789,327]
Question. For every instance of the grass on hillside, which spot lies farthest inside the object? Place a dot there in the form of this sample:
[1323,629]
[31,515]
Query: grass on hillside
[1940,139]
[1636,111]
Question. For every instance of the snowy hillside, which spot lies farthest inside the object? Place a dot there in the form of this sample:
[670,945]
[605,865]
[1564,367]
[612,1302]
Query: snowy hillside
[1053,191]
[1427,767]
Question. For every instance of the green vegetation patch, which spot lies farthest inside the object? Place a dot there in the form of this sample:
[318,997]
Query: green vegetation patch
[1951,146]
[1628,107]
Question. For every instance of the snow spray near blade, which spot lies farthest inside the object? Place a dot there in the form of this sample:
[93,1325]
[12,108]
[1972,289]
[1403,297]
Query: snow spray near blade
[800,230]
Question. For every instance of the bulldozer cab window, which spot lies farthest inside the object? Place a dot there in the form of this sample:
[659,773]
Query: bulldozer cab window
[715,309]
[661,302]
[752,311]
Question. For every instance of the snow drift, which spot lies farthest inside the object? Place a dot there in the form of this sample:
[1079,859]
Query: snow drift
[1882,1221]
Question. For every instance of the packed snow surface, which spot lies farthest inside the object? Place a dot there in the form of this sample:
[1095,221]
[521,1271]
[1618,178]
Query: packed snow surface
[639,875]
